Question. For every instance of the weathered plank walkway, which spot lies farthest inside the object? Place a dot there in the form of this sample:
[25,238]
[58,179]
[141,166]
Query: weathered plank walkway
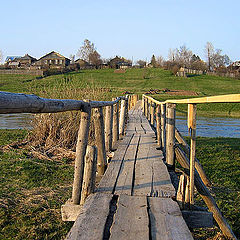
[133,199]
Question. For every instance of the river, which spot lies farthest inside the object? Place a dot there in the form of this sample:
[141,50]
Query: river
[206,127]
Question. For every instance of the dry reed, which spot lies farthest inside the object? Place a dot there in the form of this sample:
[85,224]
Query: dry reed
[54,135]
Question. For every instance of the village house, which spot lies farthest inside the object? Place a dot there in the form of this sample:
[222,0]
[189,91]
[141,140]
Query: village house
[26,61]
[12,61]
[83,64]
[119,63]
[52,60]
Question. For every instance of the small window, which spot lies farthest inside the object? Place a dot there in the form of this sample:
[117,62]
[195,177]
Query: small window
[56,61]
[60,61]
[45,61]
[50,61]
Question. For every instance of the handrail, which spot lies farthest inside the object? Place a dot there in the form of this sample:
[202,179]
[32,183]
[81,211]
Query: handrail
[29,103]
[229,98]
[164,113]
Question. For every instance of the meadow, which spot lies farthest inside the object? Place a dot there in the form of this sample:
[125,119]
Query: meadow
[32,190]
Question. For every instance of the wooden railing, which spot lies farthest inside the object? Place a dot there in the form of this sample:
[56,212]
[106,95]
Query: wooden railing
[89,159]
[162,116]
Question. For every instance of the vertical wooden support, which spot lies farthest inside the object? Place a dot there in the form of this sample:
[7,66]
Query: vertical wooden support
[170,136]
[115,128]
[89,175]
[152,114]
[122,117]
[192,109]
[158,126]
[80,153]
[146,107]
[163,127]
[149,110]
[100,140]
[108,128]
[143,105]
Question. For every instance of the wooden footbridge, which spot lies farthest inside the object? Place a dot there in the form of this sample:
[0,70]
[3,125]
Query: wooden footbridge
[138,194]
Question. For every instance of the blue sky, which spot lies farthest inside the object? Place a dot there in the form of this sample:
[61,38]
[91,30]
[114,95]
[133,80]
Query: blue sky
[133,29]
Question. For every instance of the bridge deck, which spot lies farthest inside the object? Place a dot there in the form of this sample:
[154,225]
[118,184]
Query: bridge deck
[133,199]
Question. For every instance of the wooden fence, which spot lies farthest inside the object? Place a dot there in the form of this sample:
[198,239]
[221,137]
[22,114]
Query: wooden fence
[162,116]
[107,131]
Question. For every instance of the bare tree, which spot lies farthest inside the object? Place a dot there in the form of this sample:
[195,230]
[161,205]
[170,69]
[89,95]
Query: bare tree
[209,51]
[89,53]
[1,56]
[215,58]
[160,61]
[141,63]
[95,59]
[184,56]
[72,58]
[171,55]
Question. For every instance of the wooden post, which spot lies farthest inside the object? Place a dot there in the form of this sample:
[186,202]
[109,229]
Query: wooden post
[163,127]
[122,118]
[158,126]
[115,125]
[149,110]
[206,196]
[108,128]
[170,136]
[100,140]
[146,107]
[192,108]
[80,153]
[143,105]
[198,166]
[89,175]
[152,113]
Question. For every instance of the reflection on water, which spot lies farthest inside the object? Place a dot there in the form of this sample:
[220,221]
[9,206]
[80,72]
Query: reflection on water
[211,127]
[16,121]
[206,127]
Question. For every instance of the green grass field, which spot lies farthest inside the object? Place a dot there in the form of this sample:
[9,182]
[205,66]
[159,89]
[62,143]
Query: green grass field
[134,80]
[32,190]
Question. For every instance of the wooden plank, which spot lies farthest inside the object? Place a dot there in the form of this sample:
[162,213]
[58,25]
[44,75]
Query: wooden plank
[131,219]
[91,221]
[143,168]
[166,220]
[125,178]
[108,181]
[198,219]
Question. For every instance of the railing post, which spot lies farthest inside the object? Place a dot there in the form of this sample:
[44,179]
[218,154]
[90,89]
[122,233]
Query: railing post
[158,125]
[108,127]
[143,105]
[80,153]
[100,140]
[89,175]
[146,107]
[170,141]
[115,125]
[163,127]
[122,117]
[192,109]
[149,110]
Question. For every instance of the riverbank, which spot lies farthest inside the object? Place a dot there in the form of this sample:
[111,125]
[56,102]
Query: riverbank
[33,190]
[133,81]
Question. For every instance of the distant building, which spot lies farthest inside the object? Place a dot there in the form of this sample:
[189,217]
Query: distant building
[12,61]
[26,61]
[119,63]
[52,60]
[83,64]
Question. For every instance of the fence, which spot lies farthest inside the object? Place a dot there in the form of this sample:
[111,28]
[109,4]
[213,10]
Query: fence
[162,115]
[88,158]
[23,71]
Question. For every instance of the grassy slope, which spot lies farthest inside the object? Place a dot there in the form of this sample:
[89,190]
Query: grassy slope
[31,193]
[134,80]
[220,158]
